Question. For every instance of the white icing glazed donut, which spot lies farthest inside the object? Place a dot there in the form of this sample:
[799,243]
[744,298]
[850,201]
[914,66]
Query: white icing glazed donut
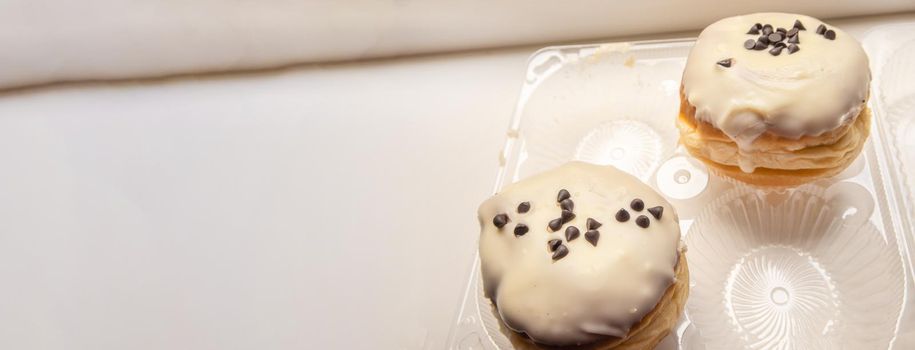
[594,277]
[746,87]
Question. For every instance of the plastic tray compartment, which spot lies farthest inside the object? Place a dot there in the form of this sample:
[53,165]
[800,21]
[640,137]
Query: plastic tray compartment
[823,266]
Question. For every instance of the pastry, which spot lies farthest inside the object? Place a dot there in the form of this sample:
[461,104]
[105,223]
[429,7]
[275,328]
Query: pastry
[583,255]
[775,99]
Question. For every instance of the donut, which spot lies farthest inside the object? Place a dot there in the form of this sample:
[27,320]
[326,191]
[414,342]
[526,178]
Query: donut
[775,99]
[583,255]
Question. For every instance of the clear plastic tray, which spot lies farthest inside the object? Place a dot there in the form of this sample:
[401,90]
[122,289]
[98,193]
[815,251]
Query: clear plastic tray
[823,266]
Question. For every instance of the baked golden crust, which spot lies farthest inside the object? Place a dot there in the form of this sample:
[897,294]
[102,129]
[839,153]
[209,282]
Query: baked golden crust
[644,335]
[767,142]
[779,161]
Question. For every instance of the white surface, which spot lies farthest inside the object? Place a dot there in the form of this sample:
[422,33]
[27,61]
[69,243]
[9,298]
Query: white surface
[51,40]
[328,207]
[317,208]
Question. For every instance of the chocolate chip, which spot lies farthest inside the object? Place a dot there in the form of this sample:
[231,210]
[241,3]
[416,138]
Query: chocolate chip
[776,51]
[749,44]
[656,211]
[637,204]
[798,25]
[567,215]
[567,204]
[821,29]
[753,30]
[563,195]
[725,62]
[781,30]
[760,46]
[553,244]
[561,252]
[520,229]
[830,34]
[524,207]
[763,39]
[792,32]
[571,233]
[757,26]
[642,221]
[622,215]
[775,37]
[767,29]
[500,220]
[793,48]
[593,224]
[794,40]
[781,45]
[555,224]
[592,236]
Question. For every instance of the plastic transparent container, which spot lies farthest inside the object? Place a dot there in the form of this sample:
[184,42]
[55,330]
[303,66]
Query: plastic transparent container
[823,266]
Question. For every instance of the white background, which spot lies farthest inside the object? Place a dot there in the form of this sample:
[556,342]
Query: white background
[317,207]
[53,40]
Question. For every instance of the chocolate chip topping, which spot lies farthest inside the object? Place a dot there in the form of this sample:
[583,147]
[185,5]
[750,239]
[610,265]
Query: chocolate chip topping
[758,26]
[656,212]
[830,34]
[776,51]
[593,224]
[571,233]
[563,195]
[642,221]
[622,215]
[637,204]
[553,244]
[561,252]
[500,220]
[567,215]
[749,44]
[726,63]
[555,224]
[520,229]
[567,204]
[753,30]
[524,207]
[775,38]
[592,236]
